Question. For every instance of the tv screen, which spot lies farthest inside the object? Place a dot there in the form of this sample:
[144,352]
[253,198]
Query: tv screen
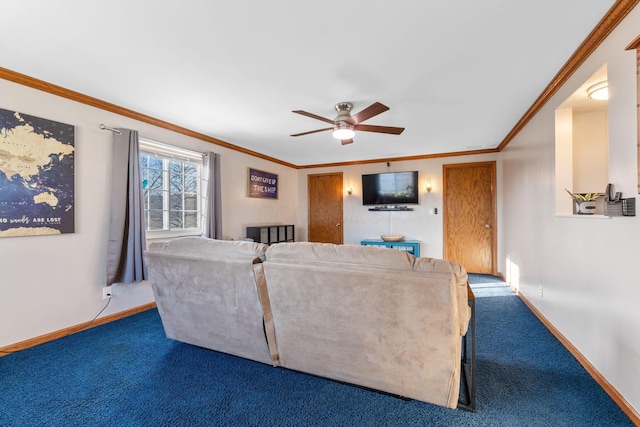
[390,188]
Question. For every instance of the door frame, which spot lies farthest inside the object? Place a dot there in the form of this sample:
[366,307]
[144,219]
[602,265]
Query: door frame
[341,174]
[494,209]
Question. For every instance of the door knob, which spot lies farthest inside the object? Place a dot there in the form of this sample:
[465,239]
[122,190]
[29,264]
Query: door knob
[338,225]
[487,226]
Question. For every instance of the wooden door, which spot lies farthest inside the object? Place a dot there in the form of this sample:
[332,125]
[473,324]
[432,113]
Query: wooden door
[469,209]
[325,208]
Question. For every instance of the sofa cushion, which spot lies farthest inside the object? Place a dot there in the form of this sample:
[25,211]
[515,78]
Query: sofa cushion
[202,247]
[348,255]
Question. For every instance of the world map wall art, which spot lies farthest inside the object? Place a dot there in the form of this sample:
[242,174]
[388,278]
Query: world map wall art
[36,176]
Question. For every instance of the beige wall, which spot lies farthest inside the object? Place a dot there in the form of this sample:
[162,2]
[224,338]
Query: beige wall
[419,224]
[590,151]
[48,283]
[586,267]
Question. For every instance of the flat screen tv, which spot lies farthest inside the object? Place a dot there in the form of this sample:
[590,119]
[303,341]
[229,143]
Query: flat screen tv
[391,188]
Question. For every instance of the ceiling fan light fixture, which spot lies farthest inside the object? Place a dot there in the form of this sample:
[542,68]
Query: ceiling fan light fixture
[343,130]
[343,127]
[599,91]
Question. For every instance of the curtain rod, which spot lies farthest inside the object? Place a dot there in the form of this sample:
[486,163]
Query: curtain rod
[103,127]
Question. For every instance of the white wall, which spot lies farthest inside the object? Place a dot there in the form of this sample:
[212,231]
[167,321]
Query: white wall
[585,266]
[360,223]
[48,283]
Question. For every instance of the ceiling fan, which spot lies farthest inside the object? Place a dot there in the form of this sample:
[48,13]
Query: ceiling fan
[345,125]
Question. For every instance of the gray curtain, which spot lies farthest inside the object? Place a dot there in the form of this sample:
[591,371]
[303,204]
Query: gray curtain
[127,237]
[213,201]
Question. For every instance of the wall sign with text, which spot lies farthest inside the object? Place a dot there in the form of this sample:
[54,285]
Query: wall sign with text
[263,184]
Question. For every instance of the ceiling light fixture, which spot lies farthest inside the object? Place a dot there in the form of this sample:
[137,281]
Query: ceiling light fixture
[599,91]
[343,130]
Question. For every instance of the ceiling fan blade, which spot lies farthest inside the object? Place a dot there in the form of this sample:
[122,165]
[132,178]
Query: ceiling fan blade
[379,129]
[372,110]
[311,131]
[313,116]
[346,141]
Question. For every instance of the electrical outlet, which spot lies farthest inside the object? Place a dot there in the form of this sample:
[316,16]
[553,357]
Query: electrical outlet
[540,291]
[106,292]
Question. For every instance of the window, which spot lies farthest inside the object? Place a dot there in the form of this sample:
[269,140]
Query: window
[171,183]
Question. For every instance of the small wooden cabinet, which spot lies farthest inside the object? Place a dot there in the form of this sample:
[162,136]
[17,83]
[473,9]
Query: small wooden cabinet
[271,233]
[411,246]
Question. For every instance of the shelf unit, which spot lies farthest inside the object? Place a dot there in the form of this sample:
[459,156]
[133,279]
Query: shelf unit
[270,234]
[411,246]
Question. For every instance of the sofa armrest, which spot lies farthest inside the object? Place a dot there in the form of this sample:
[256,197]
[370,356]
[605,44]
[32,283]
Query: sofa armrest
[461,278]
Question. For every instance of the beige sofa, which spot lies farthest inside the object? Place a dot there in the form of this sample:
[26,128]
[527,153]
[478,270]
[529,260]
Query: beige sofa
[373,317]
[208,294]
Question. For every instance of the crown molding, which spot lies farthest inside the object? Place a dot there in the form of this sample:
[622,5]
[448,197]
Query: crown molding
[614,16]
[607,24]
[634,44]
[401,159]
[107,106]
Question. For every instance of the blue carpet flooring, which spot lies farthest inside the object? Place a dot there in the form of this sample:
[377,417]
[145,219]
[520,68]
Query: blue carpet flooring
[127,373]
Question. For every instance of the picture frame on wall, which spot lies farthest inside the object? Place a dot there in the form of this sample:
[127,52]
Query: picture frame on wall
[261,184]
[37,184]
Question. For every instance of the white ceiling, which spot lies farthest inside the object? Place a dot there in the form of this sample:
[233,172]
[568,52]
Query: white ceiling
[458,75]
